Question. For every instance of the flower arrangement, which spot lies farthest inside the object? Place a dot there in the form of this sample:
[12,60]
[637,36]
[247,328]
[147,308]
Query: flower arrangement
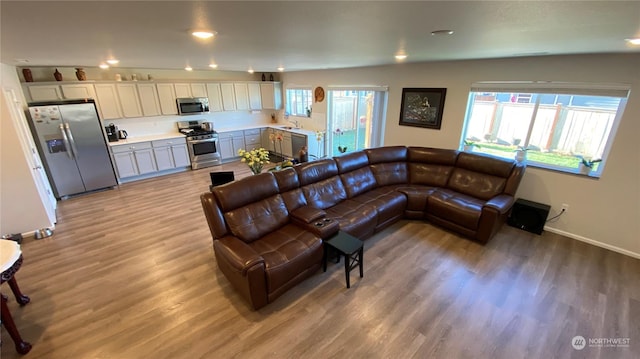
[255,159]
[589,162]
[319,138]
[338,132]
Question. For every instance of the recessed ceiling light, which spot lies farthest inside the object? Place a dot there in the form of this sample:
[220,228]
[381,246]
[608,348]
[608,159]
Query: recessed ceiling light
[250,71]
[203,34]
[280,68]
[104,66]
[442,32]
[401,57]
[189,68]
[633,41]
[113,61]
[213,66]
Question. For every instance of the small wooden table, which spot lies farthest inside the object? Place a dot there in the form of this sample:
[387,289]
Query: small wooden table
[351,247]
[10,262]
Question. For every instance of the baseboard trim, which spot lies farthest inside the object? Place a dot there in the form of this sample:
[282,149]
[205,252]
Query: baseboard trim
[594,242]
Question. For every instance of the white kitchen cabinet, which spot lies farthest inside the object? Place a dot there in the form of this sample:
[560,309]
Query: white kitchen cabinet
[241,93]
[125,164]
[198,89]
[271,94]
[183,90]
[167,98]
[252,139]
[129,100]
[230,143]
[45,92]
[133,159]
[287,147]
[145,161]
[59,92]
[149,101]
[228,96]
[76,91]
[265,141]
[215,97]
[255,100]
[171,153]
[108,103]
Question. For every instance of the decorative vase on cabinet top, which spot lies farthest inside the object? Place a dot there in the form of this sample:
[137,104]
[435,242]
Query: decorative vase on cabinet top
[57,75]
[80,74]
[28,77]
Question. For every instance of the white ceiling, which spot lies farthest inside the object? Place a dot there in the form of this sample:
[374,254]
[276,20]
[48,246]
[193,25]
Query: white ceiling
[304,35]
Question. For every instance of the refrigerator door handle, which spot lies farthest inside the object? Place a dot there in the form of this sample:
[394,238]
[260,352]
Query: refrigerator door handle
[73,142]
[67,145]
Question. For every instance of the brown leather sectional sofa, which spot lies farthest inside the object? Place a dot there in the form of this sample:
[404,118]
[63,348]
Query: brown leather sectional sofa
[268,229]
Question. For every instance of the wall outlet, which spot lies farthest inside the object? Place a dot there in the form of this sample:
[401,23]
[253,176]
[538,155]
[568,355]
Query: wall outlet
[565,208]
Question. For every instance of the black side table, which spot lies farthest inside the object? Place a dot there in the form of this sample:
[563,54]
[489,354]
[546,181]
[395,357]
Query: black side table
[349,246]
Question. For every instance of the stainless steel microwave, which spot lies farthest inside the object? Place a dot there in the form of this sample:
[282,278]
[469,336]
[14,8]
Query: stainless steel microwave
[192,105]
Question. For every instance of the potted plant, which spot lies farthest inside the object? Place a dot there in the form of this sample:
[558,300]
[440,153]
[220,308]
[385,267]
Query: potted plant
[469,145]
[255,159]
[586,164]
[339,133]
[521,153]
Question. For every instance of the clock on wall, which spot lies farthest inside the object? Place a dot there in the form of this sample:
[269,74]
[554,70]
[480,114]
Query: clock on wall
[318,93]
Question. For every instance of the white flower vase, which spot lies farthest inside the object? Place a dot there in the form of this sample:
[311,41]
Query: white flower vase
[585,170]
[468,148]
[521,155]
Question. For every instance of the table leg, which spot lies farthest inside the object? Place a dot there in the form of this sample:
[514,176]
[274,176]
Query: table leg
[22,347]
[324,257]
[361,254]
[20,298]
[347,269]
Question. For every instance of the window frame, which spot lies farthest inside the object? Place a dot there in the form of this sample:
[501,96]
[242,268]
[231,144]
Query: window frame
[306,96]
[619,91]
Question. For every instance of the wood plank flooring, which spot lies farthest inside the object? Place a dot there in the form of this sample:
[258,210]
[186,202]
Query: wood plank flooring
[130,273]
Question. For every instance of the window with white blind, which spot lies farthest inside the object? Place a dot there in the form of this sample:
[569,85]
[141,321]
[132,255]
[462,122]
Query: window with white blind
[559,126]
[298,102]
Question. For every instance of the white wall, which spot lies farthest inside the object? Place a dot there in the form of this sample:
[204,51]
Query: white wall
[606,211]
[21,208]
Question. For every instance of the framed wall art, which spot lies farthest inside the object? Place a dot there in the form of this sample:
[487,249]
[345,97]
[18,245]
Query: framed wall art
[422,107]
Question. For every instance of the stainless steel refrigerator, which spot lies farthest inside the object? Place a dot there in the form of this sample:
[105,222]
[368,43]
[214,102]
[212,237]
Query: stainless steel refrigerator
[72,145]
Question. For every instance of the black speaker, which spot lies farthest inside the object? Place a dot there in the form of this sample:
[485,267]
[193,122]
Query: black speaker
[528,215]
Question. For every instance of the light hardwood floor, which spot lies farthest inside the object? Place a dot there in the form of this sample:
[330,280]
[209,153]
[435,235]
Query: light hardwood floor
[130,273]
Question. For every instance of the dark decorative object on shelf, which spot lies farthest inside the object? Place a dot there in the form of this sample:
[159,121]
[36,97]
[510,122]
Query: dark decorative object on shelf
[264,78]
[57,75]
[80,74]
[422,107]
[27,75]
[270,77]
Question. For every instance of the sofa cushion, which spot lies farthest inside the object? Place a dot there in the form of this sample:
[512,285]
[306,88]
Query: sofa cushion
[390,173]
[311,172]
[482,163]
[325,193]
[351,161]
[253,188]
[455,207]
[358,181]
[387,154]
[416,196]
[357,219]
[430,166]
[388,205]
[252,221]
[287,252]
[289,186]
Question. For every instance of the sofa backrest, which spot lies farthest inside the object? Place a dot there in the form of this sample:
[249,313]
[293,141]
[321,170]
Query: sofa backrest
[480,175]
[259,209]
[388,164]
[430,166]
[355,173]
[320,183]
[290,190]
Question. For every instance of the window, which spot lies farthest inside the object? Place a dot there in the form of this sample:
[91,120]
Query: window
[298,102]
[557,124]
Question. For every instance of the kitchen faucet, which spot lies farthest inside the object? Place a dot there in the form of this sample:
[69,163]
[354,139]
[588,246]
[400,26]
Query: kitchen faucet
[295,123]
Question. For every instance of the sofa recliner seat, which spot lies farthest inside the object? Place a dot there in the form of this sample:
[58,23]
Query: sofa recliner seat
[267,229]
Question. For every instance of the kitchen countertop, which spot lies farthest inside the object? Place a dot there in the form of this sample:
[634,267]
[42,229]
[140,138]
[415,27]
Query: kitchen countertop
[275,126]
[138,139]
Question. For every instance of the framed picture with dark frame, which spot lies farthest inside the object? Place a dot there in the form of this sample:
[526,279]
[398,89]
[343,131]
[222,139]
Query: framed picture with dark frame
[422,107]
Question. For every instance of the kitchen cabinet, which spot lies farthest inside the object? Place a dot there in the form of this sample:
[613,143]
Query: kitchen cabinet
[241,93]
[230,143]
[108,103]
[45,93]
[252,139]
[167,98]
[129,100]
[135,159]
[59,92]
[198,89]
[76,91]
[215,97]
[183,90]
[271,95]
[170,153]
[149,101]
[265,141]
[255,100]
[287,146]
[228,96]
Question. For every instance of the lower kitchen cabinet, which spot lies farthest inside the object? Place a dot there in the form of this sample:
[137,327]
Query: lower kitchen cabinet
[252,139]
[230,143]
[171,153]
[148,157]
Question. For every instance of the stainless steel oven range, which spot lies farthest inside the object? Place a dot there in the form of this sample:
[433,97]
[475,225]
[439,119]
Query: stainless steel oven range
[202,142]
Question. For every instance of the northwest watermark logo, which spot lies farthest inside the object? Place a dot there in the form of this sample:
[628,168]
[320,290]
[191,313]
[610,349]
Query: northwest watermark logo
[579,342]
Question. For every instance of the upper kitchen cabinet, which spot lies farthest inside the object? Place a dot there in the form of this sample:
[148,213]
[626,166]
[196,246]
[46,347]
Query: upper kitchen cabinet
[255,101]
[198,89]
[183,90]
[215,97]
[149,99]
[128,96]
[167,98]
[108,103]
[59,92]
[271,93]
[78,91]
[228,97]
[241,92]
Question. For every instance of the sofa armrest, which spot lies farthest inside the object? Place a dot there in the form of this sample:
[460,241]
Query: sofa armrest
[237,253]
[501,203]
[307,214]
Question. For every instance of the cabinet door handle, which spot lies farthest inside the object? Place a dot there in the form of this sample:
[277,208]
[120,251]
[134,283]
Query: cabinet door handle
[132,148]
